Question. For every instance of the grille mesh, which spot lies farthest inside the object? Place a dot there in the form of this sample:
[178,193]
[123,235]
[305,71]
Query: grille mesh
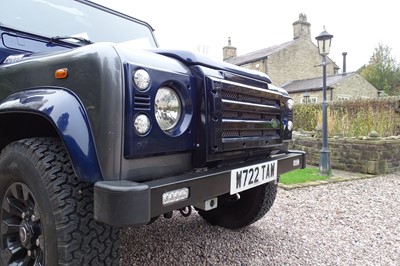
[248,115]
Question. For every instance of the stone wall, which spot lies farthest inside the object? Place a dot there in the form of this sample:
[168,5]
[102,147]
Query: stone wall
[297,61]
[354,86]
[369,156]
[297,96]
[260,65]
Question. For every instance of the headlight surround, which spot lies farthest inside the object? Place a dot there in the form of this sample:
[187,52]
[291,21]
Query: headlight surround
[167,108]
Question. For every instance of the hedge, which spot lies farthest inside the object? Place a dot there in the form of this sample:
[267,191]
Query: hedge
[351,118]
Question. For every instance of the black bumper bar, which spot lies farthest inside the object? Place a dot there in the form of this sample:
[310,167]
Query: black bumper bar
[127,203]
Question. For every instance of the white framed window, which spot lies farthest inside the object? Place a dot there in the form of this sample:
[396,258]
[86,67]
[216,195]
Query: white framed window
[343,98]
[308,99]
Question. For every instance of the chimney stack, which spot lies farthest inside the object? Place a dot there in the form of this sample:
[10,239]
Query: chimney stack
[229,51]
[344,63]
[301,28]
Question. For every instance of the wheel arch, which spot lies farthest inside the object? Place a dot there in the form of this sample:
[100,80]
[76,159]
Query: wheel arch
[52,112]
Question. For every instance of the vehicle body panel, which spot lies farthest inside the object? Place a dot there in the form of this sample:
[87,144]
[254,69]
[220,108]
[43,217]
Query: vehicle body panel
[61,108]
[231,116]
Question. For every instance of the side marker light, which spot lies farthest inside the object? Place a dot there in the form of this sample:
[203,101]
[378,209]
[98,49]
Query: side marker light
[61,73]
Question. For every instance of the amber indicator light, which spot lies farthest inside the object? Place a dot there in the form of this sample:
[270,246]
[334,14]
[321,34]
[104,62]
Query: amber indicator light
[61,73]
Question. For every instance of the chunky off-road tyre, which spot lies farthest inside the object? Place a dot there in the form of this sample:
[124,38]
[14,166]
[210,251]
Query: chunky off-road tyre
[234,213]
[47,212]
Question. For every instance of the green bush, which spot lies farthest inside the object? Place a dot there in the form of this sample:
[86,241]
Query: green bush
[351,118]
[306,116]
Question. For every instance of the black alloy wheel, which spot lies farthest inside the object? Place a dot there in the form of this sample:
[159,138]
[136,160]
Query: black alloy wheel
[21,228]
[47,211]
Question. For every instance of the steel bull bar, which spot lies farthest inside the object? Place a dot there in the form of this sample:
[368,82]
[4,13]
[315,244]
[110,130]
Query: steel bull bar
[126,203]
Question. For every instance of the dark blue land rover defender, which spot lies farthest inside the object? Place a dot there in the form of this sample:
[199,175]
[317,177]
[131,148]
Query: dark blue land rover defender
[101,129]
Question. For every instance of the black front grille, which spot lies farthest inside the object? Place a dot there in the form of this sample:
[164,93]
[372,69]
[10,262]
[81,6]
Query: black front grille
[242,117]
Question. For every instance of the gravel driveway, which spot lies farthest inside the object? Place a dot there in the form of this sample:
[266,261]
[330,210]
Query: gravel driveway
[348,223]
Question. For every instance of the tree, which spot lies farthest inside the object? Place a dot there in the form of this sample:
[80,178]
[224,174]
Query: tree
[202,49]
[382,71]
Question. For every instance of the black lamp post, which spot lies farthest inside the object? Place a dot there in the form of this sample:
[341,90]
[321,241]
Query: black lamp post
[324,44]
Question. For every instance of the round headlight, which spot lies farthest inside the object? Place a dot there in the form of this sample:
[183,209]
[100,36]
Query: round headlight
[142,124]
[141,79]
[167,108]
[290,104]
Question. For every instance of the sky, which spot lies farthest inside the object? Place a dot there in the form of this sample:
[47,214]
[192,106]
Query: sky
[358,27]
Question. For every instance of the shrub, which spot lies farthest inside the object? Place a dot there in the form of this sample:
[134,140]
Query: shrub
[351,118]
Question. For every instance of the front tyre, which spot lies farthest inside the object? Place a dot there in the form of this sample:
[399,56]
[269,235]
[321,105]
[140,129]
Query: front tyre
[234,213]
[47,212]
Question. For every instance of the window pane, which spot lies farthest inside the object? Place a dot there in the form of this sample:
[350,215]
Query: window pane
[70,18]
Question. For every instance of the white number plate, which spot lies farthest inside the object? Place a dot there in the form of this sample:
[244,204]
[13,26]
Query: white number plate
[251,176]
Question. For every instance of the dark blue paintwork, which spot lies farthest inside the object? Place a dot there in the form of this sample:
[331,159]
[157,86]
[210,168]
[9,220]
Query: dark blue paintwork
[100,91]
[97,77]
[182,137]
[63,109]
[190,58]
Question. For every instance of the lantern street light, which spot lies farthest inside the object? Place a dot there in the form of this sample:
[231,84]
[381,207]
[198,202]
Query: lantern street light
[324,44]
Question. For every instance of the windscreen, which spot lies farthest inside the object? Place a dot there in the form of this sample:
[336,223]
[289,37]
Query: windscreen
[61,18]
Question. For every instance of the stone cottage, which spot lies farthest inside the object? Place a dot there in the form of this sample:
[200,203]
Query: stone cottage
[339,87]
[296,66]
